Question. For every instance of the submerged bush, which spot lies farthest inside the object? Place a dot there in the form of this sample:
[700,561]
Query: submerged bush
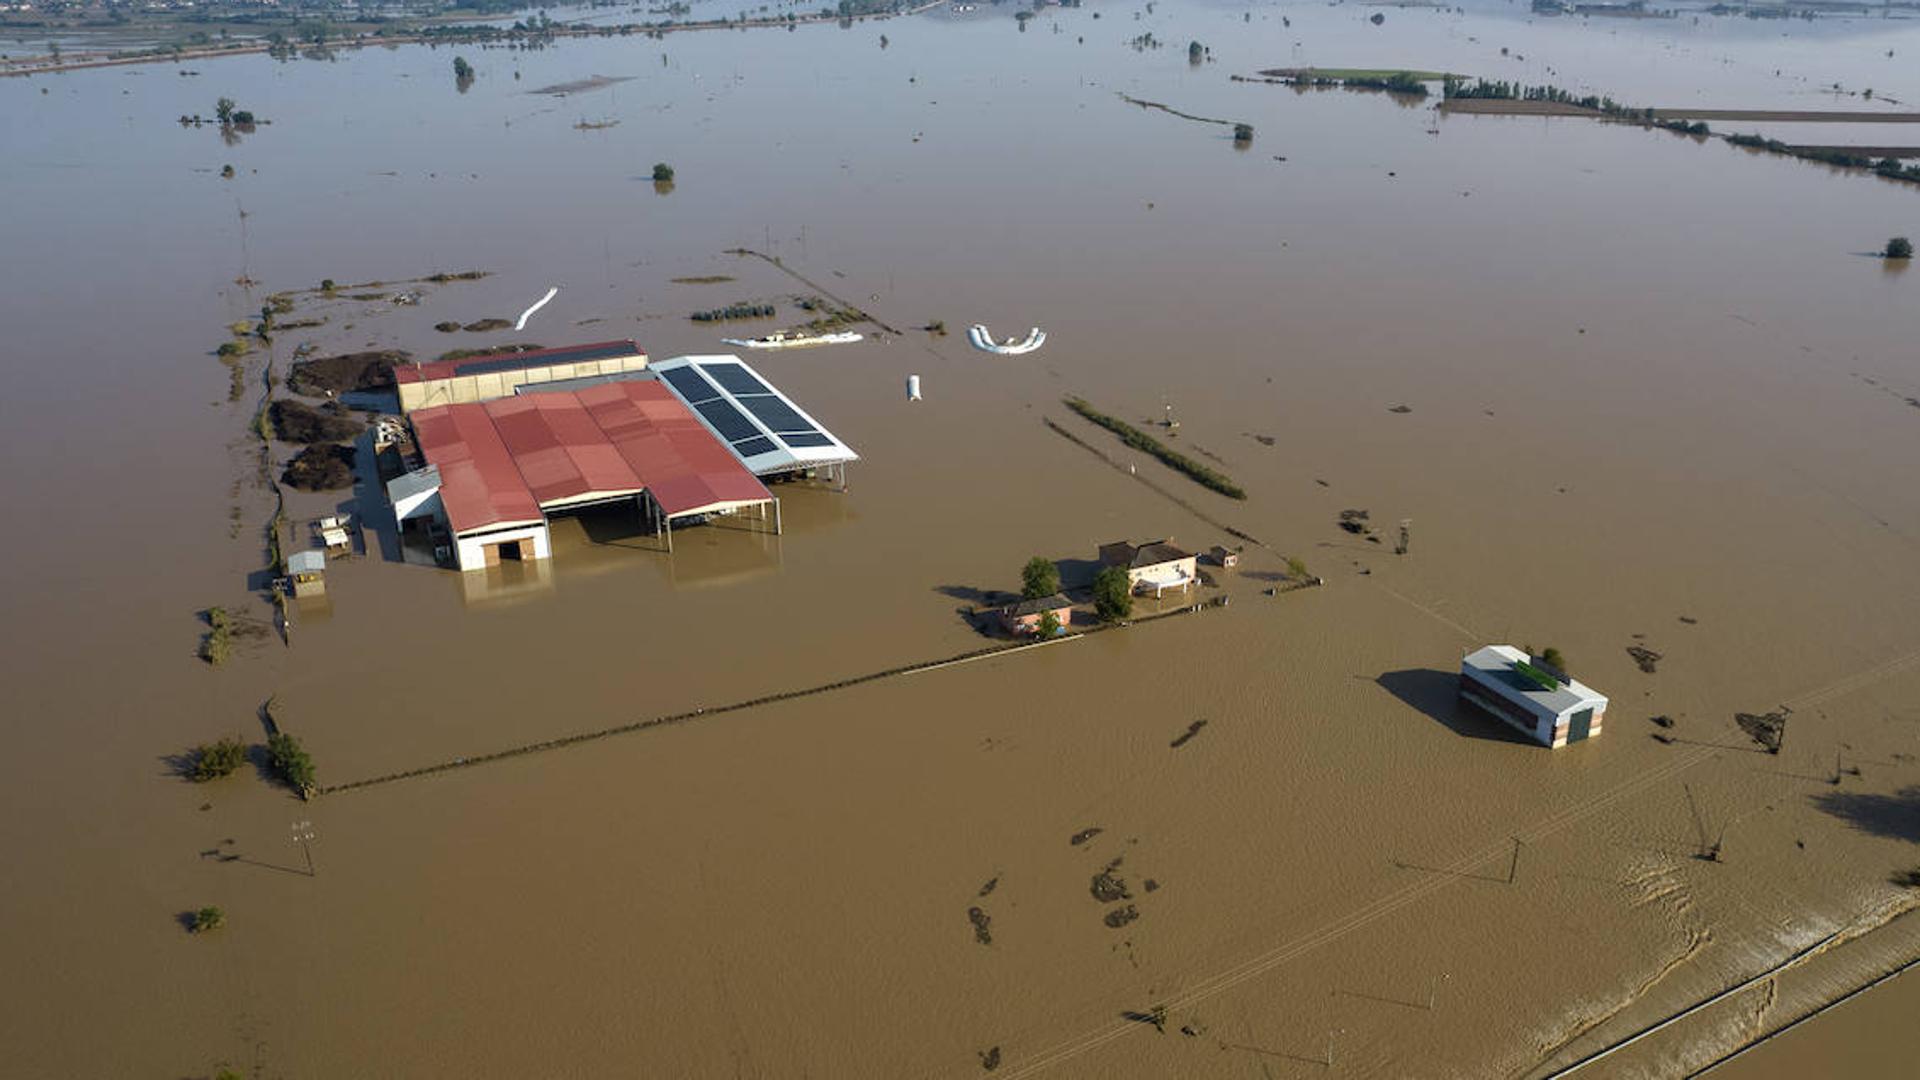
[291,763]
[211,761]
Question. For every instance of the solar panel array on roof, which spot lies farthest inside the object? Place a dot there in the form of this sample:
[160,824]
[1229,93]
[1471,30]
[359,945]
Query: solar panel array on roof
[779,417]
[692,385]
[727,420]
[738,380]
[811,438]
[764,428]
[759,444]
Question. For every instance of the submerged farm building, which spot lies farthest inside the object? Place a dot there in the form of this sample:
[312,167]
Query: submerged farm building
[482,378]
[491,471]
[1544,704]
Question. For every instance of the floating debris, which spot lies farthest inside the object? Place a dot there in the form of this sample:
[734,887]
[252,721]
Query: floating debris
[542,302]
[982,340]
[991,884]
[1109,887]
[1085,835]
[1767,729]
[1192,730]
[1121,916]
[1645,657]
[981,921]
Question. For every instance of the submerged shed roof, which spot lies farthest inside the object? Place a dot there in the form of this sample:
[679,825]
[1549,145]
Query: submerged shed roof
[681,464]
[560,451]
[510,460]
[517,361]
[480,486]
[1037,605]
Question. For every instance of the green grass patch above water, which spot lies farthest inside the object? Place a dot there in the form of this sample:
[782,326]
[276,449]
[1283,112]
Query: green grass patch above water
[1168,456]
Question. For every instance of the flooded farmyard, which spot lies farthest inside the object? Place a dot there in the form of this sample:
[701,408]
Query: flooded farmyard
[1640,400]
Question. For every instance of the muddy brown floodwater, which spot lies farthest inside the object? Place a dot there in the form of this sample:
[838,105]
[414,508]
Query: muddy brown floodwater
[1636,396]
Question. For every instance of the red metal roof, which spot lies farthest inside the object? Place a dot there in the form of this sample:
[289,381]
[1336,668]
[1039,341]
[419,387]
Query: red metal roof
[562,454]
[683,466]
[504,461]
[480,486]
[471,365]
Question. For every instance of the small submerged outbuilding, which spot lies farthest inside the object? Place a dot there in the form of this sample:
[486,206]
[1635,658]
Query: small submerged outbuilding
[1523,692]
[307,571]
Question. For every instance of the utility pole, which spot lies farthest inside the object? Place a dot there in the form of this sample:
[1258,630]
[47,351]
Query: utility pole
[303,835]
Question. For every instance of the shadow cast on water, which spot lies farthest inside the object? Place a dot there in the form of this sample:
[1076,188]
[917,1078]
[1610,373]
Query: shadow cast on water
[1896,816]
[1437,694]
[979,597]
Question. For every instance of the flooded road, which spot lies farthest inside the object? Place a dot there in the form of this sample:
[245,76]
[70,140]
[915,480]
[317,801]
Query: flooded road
[1654,395]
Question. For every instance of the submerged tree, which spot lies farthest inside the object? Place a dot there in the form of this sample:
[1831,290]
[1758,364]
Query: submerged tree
[462,70]
[223,110]
[1112,594]
[1039,578]
[290,761]
[663,173]
[1899,248]
[211,761]
[1243,133]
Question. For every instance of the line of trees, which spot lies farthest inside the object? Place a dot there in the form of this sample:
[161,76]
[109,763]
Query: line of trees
[735,311]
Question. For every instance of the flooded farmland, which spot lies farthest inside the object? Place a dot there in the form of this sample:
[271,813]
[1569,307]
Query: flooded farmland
[1630,389]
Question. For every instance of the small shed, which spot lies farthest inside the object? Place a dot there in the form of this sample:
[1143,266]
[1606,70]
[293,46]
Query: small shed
[308,569]
[1223,557]
[1024,617]
[1545,704]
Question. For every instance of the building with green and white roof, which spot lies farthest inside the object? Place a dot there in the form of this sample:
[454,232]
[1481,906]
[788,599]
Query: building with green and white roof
[1519,690]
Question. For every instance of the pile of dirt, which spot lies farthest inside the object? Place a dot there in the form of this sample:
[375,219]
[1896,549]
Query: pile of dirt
[298,422]
[322,467]
[324,376]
